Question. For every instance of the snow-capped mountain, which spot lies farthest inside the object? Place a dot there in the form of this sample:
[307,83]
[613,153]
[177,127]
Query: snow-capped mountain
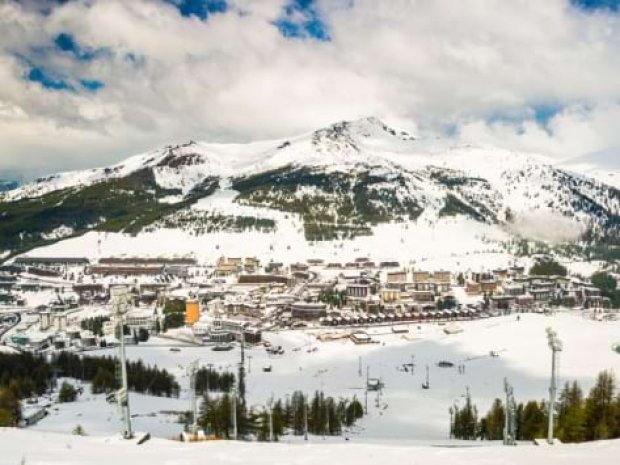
[348,180]
[603,166]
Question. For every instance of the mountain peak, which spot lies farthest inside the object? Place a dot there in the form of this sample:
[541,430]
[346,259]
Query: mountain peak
[367,127]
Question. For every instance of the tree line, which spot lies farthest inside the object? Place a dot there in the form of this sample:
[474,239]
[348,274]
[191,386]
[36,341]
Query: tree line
[94,324]
[212,380]
[26,375]
[579,418]
[101,373]
[21,376]
[322,414]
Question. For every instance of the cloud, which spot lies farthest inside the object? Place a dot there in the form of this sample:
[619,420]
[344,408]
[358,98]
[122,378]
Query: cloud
[546,226]
[529,75]
[576,130]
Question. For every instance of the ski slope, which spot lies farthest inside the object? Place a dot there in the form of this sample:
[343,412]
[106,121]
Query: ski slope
[35,448]
[404,411]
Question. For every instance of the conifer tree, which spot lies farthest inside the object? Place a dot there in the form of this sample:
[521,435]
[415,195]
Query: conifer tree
[571,414]
[599,408]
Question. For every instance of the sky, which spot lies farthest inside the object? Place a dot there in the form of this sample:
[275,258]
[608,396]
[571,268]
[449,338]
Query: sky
[86,83]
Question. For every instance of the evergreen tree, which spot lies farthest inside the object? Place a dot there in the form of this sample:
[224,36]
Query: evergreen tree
[67,393]
[533,421]
[10,408]
[571,415]
[492,426]
[354,410]
[298,404]
[599,408]
[279,419]
[466,420]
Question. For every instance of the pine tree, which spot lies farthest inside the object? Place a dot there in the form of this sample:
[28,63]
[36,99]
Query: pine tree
[532,421]
[492,426]
[466,420]
[571,414]
[67,393]
[599,408]
[10,408]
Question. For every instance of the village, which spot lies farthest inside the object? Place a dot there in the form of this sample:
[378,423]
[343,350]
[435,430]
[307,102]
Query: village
[62,303]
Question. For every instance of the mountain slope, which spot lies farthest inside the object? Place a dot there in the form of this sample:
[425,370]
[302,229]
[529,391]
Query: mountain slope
[603,166]
[336,183]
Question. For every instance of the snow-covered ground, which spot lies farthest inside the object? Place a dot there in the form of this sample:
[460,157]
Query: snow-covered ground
[404,411]
[35,448]
[448,244]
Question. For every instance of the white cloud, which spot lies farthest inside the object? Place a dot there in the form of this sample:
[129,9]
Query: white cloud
[433,63]
[575,131]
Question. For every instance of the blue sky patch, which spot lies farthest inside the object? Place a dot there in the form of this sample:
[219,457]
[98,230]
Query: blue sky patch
[91,84]
[200,8]
[593,5]
[545,112]
[67,43]
[47,79]
[52,81]
[301,19]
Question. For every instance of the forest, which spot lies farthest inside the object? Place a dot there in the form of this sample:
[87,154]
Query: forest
[297,414]
[578,417]
[25,375]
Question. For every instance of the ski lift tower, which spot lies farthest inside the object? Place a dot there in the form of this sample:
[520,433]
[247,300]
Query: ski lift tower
[510,416]
[191,372]
[120,304]
[556,346]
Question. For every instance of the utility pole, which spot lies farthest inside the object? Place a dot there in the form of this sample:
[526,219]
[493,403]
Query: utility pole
[359,368]
[327,417]
[270,405]
[556,346]
[242,338]
[412,365]
[234,411]
[509,415]
[366,390]
[120,302]
[305,419]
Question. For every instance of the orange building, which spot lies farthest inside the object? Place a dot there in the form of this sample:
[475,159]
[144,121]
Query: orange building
[192,312]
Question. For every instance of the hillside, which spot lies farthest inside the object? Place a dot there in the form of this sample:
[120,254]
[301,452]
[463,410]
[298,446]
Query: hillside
[334,184]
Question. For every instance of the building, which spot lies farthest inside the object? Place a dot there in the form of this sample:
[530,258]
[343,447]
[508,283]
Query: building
[473,288]
[421,277]
[389,264]
[126,270]
[52,261]
[389,295]
[263,279]
[358,291]
[251,263]
[488,286]
[308,310]
[397,277]
[141,318]
[299,267]
[192,312]
[443,277]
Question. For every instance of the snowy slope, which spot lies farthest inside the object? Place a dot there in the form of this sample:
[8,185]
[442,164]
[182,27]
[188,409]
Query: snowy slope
[404,411]
[19,446]
[343,182]
[603,166]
